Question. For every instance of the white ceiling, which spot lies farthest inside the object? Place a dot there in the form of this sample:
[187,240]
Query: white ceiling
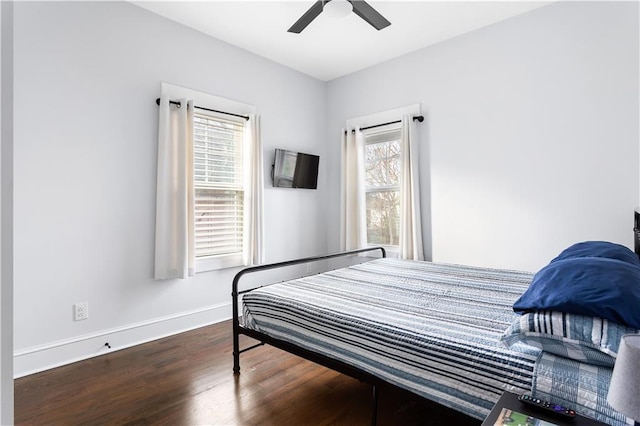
[332,47]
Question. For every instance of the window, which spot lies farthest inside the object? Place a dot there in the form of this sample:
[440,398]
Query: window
[209,184]
[382,186]
[380,183]
[218,185]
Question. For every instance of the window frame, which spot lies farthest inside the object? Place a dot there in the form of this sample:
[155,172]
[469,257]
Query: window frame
[225,260]
[374,119]
[367,134]
[218,103]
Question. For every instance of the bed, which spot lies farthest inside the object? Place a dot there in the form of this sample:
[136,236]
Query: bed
[445,332]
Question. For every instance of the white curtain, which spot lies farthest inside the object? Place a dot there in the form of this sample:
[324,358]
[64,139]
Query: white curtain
[253,253]
[354,223]
[174,251]
[410,240]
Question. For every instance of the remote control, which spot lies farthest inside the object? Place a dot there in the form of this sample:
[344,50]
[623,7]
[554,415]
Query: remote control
[547,406]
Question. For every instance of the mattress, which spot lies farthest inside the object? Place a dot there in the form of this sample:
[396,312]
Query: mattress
[433,329]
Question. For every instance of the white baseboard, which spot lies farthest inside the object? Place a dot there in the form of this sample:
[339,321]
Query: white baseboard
[44,357]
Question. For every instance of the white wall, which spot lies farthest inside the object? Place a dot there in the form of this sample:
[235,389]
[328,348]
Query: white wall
[530,138]
[6,213]
[86,78]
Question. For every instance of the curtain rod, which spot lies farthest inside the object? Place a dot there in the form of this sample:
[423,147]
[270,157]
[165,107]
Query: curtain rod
[418,118]
[206,109]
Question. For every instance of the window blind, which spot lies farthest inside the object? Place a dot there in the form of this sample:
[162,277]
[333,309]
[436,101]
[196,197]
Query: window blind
[219,186]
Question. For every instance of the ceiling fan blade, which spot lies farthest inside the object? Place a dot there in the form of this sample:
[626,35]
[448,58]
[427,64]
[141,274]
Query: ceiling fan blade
[308,16]
[369,14]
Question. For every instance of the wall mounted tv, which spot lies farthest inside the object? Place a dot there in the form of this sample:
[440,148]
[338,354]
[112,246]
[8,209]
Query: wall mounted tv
[295,170]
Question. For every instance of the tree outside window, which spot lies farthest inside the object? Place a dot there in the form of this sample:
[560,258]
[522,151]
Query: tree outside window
[382,180]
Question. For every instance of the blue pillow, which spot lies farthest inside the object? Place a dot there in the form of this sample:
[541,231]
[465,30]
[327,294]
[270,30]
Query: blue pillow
[599,249]
[589,286]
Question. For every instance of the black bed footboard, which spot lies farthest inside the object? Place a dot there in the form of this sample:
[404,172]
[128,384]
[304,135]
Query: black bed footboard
[238,329]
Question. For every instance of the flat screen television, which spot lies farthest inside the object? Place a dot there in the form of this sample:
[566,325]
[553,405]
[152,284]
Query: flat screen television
[295,169]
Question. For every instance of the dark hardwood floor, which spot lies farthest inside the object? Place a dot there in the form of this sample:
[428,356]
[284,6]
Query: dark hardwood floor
[187,380]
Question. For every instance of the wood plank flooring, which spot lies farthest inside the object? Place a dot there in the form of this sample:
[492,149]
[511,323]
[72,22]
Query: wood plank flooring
[187,380]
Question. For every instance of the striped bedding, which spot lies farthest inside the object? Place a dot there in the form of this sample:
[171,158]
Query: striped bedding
[578,385]
[591,340]
[433,329]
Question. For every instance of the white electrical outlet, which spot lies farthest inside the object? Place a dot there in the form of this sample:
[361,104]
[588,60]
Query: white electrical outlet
[81,311]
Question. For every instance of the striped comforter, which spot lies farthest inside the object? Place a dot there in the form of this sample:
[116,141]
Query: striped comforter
[433,329]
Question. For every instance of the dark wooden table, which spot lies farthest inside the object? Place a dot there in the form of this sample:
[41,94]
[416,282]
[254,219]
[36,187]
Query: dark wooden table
[510,401]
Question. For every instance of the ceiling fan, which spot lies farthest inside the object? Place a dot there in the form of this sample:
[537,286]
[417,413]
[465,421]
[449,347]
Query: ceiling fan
[360,8]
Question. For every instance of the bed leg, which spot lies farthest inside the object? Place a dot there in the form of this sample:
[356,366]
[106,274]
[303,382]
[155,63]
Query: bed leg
[235,326]
[236,351]
[236,362]
[374,406]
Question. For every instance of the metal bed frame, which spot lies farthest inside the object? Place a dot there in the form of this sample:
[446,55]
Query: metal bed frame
[325,361]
